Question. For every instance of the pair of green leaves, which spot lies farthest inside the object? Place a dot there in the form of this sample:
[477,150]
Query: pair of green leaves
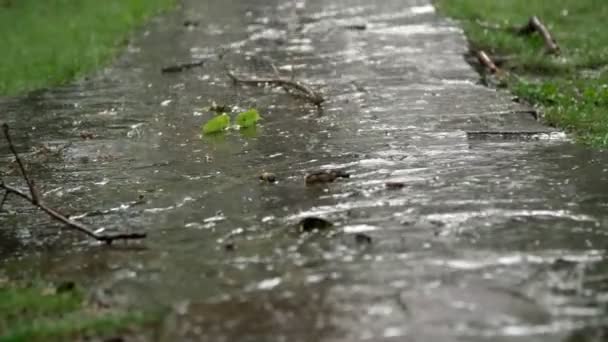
[221,122]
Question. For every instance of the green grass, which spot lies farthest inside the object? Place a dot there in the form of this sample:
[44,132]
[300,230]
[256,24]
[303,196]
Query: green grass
[46,43]
[570,88]
[35,313]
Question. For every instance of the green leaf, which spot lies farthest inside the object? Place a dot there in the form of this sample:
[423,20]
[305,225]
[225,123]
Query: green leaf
[248,118]
[217,124]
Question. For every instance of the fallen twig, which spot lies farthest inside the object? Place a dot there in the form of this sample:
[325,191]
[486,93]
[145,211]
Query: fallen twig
[35,200]
[181,67]
[28,181]
[3,200]
[535,25]
[506,135]
[278,75]
[322,177]
[486,61]
[291,86]
[499,60]
[356,27]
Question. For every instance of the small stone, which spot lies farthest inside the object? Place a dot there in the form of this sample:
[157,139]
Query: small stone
[268,177]
[87,135]
[319,178]
[394,185]
[361,238]
[308,224]
[191,23]
[66,286]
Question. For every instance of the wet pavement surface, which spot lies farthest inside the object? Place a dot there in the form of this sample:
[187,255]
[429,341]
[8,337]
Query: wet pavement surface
[491,238]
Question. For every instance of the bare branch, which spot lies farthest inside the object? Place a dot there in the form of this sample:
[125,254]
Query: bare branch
[35,200]
[30,184]
[535,25]
[181,67]
[278,75]
[3,198]
[294,87]
[109,238]
[486,61]
[506,135]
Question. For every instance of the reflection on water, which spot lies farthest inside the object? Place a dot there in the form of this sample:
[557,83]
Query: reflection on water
[488,239]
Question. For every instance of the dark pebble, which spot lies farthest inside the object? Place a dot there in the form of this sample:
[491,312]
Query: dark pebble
[356,27]
[191,23]
[268,177]
[394,185]
[66,286]
[309,224]
[363,238]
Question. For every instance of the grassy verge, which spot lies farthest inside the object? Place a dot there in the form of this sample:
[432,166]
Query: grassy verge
[45,43]
[36,313]
[571,89]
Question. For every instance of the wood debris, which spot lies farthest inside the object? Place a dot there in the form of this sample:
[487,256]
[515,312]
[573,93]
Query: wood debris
[291,86]
[321,177]
[535,25]
[486,61]
[34,198]
[181,67]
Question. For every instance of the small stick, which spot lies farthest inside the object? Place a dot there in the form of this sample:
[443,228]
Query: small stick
[356,27]
[550,43]
[30,183]
[3,200]
[109,238]
[309,94]
[513,135]
[181,67]
[533,25]
[278,75]
[486,61]
[34,199]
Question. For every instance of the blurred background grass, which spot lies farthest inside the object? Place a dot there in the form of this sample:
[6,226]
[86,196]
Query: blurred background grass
[46,43]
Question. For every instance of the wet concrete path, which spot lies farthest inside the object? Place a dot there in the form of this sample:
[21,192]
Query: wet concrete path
[491,239]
